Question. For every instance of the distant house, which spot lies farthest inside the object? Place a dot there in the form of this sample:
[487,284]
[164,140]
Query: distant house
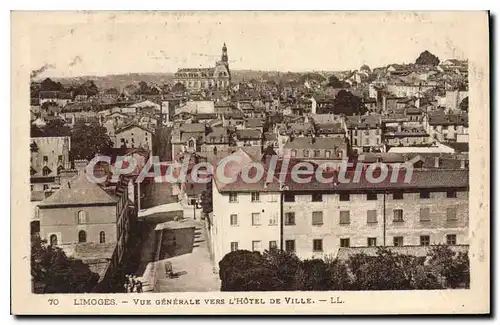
[134,136]
[313,148]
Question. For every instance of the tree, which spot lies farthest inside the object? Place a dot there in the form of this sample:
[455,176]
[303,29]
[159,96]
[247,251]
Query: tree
[340,279]
[243,270]
[89,139]
[427,58]
[318,276]
[59,274]
[50,85]
[453,267]
[287,266]
[385,271]
[206,200]
[464,104]
[334,82]
[347,103]
[179,88]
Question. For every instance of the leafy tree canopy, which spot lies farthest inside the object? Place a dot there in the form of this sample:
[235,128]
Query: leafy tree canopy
[427,58]
[59,274]
[89,139]
[349,104]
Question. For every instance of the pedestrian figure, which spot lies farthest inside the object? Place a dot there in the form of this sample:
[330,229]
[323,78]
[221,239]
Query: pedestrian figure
[139,287]
[132,288]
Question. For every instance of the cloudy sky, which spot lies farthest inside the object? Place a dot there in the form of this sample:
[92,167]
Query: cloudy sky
[112,43]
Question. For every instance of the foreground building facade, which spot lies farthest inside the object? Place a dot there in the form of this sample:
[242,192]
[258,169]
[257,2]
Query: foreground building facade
[315,219]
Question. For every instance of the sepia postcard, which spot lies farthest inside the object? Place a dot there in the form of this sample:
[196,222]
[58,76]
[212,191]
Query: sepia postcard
[250,163]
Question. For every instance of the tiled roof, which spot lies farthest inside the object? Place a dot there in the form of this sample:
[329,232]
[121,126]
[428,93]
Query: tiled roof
[440,118]
[132,125]
[318,143]
[192,127]
[254,123]
[366,121]
[234,169]
[79,191]
[458,146]
[248,134]
[420,178]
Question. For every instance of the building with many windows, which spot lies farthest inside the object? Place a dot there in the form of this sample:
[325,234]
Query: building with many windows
[314,219]
[206,78]
[245,215]
[431,209]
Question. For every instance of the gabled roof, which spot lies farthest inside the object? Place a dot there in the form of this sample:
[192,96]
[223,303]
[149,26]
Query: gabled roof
[234,168]
[132,125]
[77,192]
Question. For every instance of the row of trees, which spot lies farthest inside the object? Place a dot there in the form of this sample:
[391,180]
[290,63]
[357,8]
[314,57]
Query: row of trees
[277,270]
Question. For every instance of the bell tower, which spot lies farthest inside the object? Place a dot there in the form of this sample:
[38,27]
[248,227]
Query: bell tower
[224,57]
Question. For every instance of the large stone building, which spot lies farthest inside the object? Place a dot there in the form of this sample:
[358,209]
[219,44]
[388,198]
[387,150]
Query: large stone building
[315,219]
[218,77]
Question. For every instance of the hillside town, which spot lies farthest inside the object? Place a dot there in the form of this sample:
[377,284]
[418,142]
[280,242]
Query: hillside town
[176,236]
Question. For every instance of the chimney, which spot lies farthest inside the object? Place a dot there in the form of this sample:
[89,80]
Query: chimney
[436,162]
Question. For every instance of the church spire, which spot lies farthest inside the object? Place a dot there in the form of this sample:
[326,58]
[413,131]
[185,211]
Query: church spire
[224,57]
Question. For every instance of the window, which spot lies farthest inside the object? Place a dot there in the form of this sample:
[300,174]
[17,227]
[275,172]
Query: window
[425,240]
[45,159]
[233,219]
[102,237]
[255,219]
[82,217]
[398,241]
[290,245]
[32,188]
[273,244]
[397,196]
[273,219]
[425,194]
[45,187]
[317,245]
[372,241]
[317,153]
[256,245]
[233,197]
[451,239]
[451,194]
[371,196]
[328,153]
[345,218]
[344,197]
[317,218]
[59,159]
[293,153]
[306,153]
[53,240]
[345,242]
[425,214]
[317,197]
[290,218]
[371,216]
[255,196]
[234,246]
[451,214]
[191,143]
[82,236]
[289,197]
[398,215]
[46,171]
